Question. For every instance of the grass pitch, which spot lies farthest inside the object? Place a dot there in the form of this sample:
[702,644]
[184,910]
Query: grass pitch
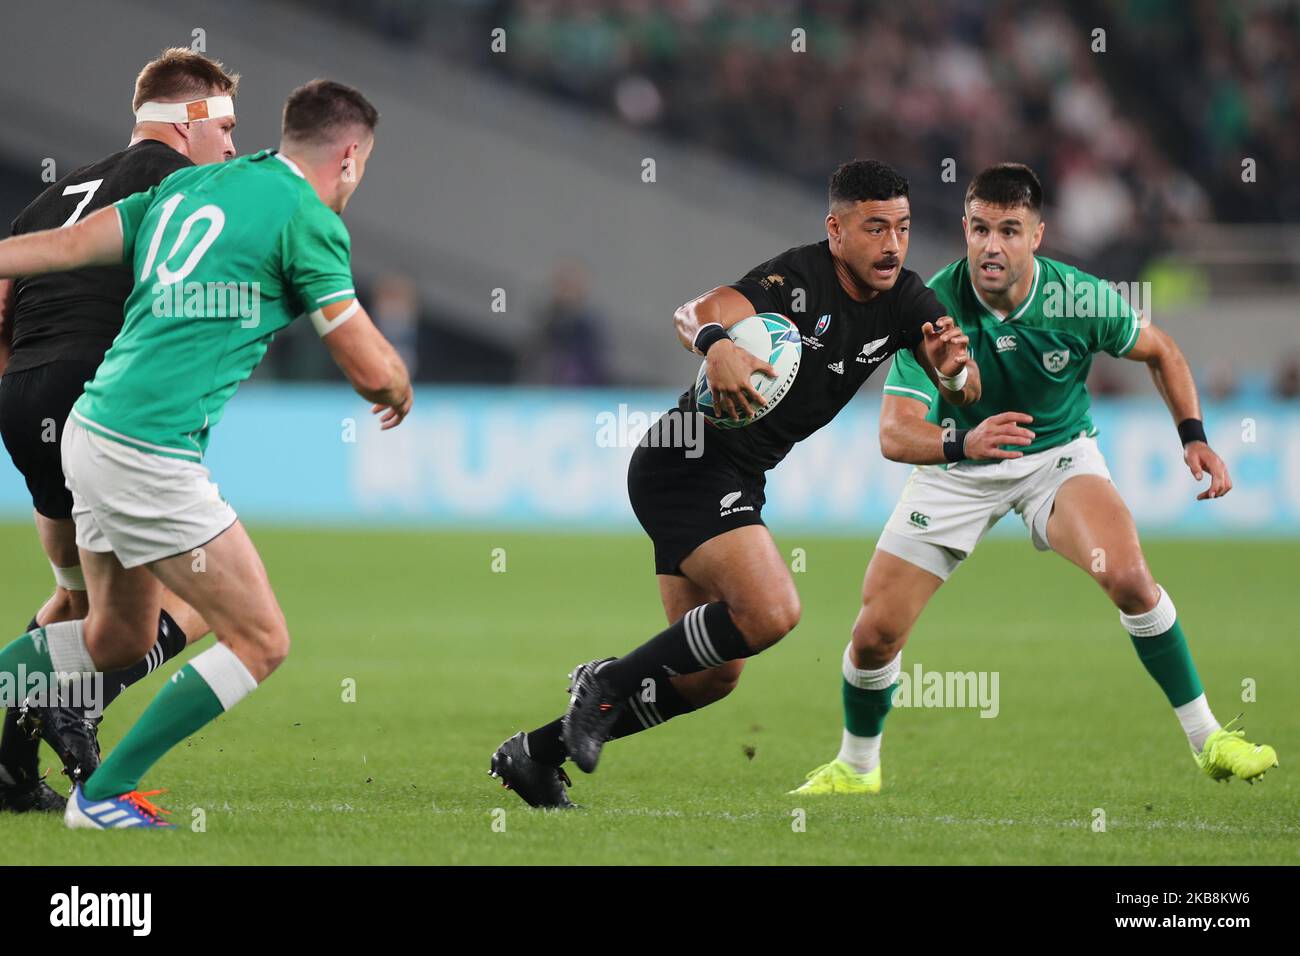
[449,657]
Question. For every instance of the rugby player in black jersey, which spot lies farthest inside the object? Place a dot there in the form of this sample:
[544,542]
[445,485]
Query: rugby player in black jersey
[61,324]
[725,588]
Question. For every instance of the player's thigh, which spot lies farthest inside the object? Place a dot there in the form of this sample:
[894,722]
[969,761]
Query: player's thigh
[745,570]
[894,593]
[227,584]
[58,538]
[679,595]
[1091,527]
[122,623]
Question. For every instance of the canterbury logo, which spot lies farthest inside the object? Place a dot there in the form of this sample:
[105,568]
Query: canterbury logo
[1006,343]
[920,520]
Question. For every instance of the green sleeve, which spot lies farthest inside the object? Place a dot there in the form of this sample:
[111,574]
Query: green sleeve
[130,213]
[317,257]
[1116,327]
[907,379]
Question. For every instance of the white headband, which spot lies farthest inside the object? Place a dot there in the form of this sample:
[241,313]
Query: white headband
[211,107]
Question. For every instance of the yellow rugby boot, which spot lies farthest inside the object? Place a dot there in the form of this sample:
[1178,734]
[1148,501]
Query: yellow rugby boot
[1227,753]
[838,777]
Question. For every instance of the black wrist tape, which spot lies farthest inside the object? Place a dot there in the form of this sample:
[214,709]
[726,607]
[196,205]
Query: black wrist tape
[707,336]
[1190,430]
[954,449]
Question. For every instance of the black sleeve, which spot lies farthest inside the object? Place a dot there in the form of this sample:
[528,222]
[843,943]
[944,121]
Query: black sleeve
[917,305]
[769,287]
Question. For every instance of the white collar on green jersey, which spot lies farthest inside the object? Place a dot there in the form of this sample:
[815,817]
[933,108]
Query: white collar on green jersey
[1020,309]
[290,163]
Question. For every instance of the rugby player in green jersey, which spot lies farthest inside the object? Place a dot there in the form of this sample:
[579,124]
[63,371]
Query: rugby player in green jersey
[1026,445]
[147,514]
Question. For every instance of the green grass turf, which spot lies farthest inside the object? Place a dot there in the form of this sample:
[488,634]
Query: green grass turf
[449,658]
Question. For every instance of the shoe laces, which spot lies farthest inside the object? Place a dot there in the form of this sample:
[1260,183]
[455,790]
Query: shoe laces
[1229,736]
[139,800]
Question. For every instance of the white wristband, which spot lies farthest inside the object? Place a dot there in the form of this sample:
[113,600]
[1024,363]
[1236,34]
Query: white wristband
[956,383]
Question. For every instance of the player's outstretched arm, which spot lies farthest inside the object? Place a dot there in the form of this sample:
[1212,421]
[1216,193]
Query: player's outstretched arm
[701,327]
[906,436]
[95,241]
[369,360]
[1174,382]
[944,354]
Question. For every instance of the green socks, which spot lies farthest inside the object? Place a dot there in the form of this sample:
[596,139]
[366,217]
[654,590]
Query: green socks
[1158,639]
[30,652]
[197,694]
[865,710]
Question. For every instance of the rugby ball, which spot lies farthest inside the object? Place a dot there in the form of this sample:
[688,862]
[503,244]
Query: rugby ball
[772,338]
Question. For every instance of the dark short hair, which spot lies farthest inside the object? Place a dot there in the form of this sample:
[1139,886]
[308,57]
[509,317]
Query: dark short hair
[1007,184]
[865,179]
[318,111]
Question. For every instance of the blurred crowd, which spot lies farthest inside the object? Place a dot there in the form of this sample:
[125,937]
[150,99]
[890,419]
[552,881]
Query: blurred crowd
[1136,131]
[1138,115]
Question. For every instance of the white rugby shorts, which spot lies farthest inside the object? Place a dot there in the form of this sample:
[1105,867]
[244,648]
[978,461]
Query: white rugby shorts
[944,512]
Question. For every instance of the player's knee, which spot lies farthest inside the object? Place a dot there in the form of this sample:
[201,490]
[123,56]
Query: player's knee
[765,624]
[115,644]
[1130,587]
[263,646]
[877,638]
[275,648]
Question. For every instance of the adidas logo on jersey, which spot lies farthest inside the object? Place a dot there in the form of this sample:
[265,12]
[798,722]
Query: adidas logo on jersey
[1006,343]
[837,367]
[870,349]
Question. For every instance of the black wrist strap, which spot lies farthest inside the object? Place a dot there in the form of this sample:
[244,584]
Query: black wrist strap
[708,335]
[954,448]
[1190,430]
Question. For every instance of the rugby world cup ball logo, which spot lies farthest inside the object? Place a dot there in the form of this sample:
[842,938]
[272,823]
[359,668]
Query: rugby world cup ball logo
[822,324]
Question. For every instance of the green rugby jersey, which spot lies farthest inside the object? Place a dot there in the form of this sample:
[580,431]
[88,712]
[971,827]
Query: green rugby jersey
[1036,360]
[223,257]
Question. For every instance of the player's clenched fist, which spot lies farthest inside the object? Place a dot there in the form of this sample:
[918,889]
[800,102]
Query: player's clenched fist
[984,441]
[946,345]
[729,371]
